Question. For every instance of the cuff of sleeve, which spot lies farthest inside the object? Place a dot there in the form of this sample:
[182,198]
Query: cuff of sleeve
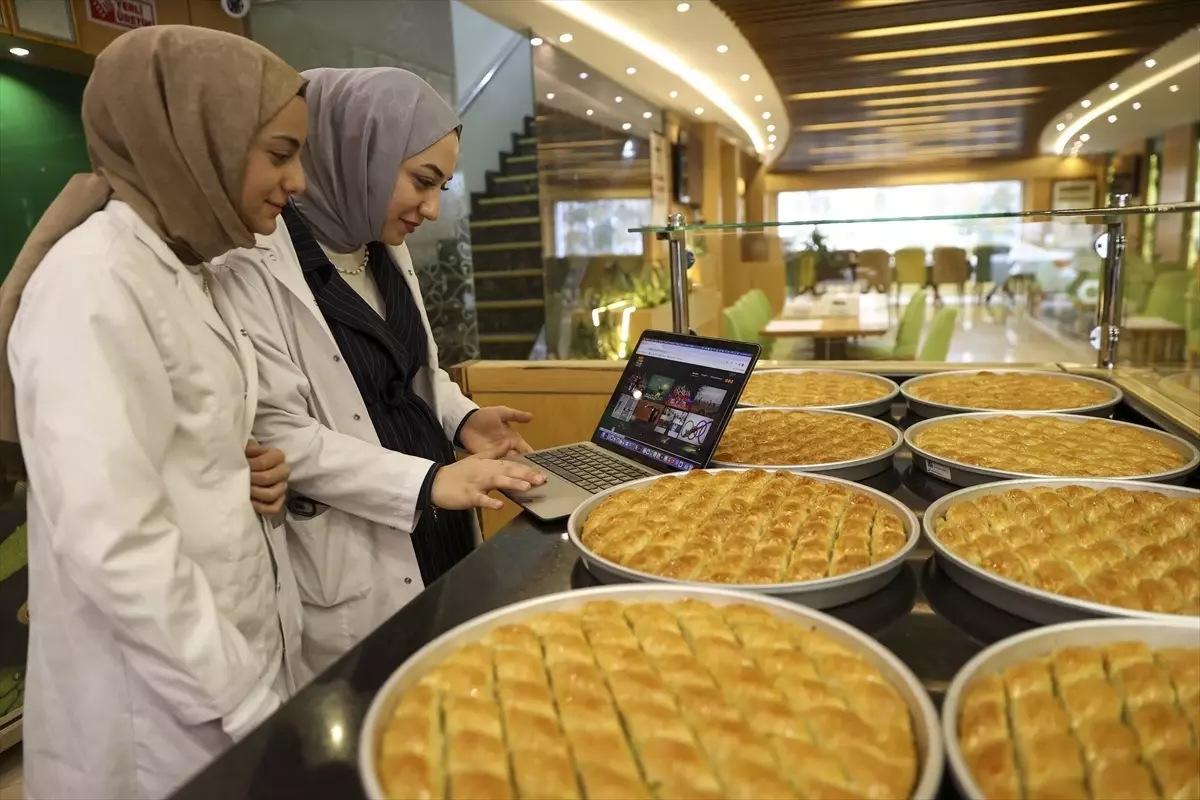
[424,499]
[250,713]
[461,425]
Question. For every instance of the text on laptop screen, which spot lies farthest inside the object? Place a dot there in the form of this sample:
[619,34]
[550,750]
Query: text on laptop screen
[670,398]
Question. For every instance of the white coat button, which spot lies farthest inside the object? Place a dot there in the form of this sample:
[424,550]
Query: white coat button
[244,332]
[357,417]
[337,359]
[408,580]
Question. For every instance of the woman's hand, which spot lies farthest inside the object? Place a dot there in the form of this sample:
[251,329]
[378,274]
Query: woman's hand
[492,427]
[466,483]
[269,474]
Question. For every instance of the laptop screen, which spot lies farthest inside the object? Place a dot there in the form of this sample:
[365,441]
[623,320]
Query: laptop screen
[674,399]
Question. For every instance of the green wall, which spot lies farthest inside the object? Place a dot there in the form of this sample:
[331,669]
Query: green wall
[41,146]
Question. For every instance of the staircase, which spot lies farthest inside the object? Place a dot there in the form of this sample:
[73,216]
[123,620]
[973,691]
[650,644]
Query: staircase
[506,246]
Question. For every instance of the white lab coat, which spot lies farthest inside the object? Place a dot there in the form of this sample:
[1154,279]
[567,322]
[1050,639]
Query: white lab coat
[165,615]
[354,557]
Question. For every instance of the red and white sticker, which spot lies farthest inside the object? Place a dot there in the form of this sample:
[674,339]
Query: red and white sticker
[124,14]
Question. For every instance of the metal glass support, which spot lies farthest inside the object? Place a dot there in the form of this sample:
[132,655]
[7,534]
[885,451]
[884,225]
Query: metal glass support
[1109,303]
[678,256]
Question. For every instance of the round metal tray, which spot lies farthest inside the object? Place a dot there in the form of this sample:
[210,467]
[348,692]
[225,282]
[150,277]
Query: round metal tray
[898,676]
[868,408]
[855,469]
[927,408]
[961,474]
[1025,601]
[823,593]
[1042,642]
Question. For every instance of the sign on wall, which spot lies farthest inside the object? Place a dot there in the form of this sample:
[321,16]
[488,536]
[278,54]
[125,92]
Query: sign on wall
[124,14]
[660,186]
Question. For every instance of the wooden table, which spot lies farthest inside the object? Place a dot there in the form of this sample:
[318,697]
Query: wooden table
[1154,340]
[829,334]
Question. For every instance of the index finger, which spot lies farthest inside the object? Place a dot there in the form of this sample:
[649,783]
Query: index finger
[268,459]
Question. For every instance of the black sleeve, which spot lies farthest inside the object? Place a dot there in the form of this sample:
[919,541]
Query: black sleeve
[457,441]
[424,500]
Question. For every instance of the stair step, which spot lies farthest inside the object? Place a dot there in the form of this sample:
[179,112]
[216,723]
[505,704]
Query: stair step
[510,273]
[510,318]
[505,223]
[507,198]
[525,176]
[496,247]
[506,338]
[527,140]
[497,305]
[527,159]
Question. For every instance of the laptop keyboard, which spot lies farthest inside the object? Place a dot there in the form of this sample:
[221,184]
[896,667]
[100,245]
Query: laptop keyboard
[587,467]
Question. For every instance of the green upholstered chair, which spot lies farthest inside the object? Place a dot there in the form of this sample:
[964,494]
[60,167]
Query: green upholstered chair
[909,267]
[734,327]
[759,304]
[937,341]
[1193,322]
[1167,298]
[908,335]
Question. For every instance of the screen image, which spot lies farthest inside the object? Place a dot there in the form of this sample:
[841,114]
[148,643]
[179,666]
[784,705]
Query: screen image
[671,400]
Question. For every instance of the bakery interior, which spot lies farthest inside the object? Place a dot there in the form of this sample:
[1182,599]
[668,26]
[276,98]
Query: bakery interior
[878,193]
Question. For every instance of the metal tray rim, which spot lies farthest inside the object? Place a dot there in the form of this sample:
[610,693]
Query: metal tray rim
[925,716]
[1182,445]
[575,523]
[910,399]
[896,433]
[882,402]
[1030,640]
[938,509]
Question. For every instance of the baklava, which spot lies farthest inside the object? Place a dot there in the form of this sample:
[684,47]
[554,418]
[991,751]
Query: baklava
[664,700]
[798,438]
[1010,391]
[1111,721]
[1050,446]
[751,527]
[811,389]
[1129,549]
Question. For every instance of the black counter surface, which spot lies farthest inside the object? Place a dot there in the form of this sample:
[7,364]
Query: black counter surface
[309,749]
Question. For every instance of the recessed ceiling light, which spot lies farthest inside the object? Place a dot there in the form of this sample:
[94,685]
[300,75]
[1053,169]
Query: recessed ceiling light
[1062,126]
[673,95]
[536,41]
[1083,137]
[766,115]
[894,88]
[682,7]
[999,19]
[772,138]
[566,38]
[583,76]
[745,77]
[1070,116]
[770,147]
[770,128]
[1086,104]
[1114,86]
[1001,44]
[1060,58]
[20,52]
[1151,63]
[1112,117]
[646,115]
[618,99]
[1136,106]
[631,70]
[722,48]
[758,98]
[549,95]
[626,126]
[699,111]
[590,112]
[1174,87]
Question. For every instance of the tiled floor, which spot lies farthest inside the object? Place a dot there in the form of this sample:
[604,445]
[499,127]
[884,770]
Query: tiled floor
[12,786]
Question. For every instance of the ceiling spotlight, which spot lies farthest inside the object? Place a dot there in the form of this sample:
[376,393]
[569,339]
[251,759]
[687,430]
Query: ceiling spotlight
[770,128]
[766,115]
[682,7]
[20,52]
[590,112]
[1174,87]
[745,77]
[549,95]
[770,147]
[1083,137]
[618,99]
[1070,116]
[772,138]
[1136,106]
[673,95]
[699,111]
[1062,126]
[626,126]
[646,115]
[1112,117]
[631,70]
[537,41]
[758,98]
[1151,63]
[583,76]
[1114,86]
[566,38]
[722,48]
[1086,104]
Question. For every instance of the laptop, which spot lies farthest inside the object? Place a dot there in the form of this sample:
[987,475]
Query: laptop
[668,413]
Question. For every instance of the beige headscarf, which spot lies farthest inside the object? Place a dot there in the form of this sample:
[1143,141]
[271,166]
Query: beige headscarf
[169,113]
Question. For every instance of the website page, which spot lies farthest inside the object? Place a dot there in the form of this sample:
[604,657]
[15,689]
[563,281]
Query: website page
[670,400]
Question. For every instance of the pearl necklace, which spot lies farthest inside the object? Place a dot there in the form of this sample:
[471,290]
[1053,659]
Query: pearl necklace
[361,268]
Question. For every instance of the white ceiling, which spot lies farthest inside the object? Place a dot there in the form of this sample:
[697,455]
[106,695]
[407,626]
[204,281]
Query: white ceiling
[1167,94]
[671,51]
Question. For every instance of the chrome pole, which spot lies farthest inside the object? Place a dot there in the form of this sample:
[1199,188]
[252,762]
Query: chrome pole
[678,256]
[1109,303]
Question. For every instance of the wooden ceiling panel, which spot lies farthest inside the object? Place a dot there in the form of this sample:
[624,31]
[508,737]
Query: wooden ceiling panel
[808,46]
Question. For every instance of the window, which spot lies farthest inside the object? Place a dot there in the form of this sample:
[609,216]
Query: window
[599,227]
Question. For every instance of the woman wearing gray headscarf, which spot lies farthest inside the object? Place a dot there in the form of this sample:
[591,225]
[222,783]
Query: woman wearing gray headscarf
[349,383]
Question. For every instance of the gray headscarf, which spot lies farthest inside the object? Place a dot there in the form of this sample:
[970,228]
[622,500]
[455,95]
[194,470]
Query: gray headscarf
[362,124]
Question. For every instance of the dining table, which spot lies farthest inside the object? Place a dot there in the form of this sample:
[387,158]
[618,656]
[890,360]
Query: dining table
[832,321]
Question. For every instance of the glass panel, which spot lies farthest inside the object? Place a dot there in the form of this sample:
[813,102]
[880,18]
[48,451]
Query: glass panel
[49,18]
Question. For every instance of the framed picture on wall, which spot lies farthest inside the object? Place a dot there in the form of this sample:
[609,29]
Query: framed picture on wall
[1073,194]
[49,20]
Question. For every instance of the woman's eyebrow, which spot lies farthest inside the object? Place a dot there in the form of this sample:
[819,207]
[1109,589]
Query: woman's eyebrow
[436,170]
[293,141]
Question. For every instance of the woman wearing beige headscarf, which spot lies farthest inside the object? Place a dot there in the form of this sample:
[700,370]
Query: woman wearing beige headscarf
[166,618]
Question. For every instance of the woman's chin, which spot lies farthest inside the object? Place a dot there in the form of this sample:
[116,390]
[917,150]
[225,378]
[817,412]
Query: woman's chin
[394,238]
